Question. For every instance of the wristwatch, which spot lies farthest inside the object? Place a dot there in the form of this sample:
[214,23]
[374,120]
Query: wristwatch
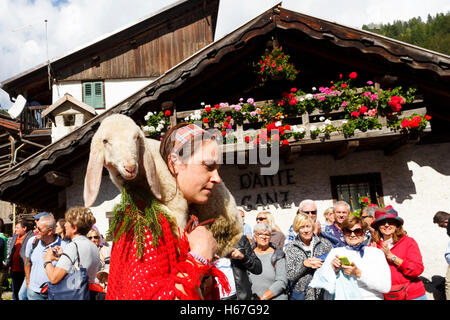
[393,258]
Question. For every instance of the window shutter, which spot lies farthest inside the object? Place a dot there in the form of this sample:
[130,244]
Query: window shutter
[93,94]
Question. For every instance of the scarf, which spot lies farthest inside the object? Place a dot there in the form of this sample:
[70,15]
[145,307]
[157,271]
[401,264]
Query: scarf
[360,248]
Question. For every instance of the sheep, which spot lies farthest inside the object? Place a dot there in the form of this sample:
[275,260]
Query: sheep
[121,147]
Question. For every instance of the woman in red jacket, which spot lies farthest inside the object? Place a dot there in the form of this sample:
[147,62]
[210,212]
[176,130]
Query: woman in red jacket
[402,253]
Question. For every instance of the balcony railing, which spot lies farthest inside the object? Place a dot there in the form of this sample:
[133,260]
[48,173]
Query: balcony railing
[31,119]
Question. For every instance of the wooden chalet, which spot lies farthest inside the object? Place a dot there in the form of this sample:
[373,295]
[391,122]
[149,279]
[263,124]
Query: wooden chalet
[408,172]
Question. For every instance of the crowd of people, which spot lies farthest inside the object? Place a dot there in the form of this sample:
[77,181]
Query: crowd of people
[366,256]
[349,257]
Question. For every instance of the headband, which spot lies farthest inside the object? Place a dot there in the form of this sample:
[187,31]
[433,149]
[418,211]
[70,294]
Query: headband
[185,134]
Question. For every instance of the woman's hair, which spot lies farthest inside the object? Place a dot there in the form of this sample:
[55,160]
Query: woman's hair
[29,224]
[61,222]
[82,218]
[327,212]
[398,234]
[300,220]
[351,221]
[168,143]
[94,228]
[270,219]
[261,227]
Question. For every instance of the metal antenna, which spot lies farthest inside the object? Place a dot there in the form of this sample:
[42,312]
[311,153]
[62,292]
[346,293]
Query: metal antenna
[48,61]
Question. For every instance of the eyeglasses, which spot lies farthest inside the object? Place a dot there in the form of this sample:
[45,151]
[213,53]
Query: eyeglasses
[263,235]
[93,237]
[261,219]
[310,212]
[364,217]
[358,232]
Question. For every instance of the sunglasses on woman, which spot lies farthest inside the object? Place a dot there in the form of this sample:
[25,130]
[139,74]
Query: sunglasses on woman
[93,237]
[358,232]
[261,219]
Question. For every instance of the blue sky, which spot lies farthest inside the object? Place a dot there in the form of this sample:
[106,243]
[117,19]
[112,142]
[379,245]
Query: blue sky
[74,23]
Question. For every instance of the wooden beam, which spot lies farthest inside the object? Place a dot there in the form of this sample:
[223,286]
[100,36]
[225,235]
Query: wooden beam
[400,144]
[346,148]
[33,143]
[291,153]
[59,179]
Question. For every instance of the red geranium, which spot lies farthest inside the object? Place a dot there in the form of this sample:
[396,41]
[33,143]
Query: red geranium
[205,120]
[355,114]
[396,103]
[293,89]
[363,110]
[247,139]
[168,113]
[427,117]
[287,127]
[208,108]
[217,106]
[405,123]
[285,142]
[292,102]
[344,85]
[353,75]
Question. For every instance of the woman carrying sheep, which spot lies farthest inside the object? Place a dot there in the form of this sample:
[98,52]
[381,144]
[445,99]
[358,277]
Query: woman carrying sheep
[153,261]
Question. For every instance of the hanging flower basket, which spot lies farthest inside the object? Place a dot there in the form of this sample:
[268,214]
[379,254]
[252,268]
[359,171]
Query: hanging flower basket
[275,66]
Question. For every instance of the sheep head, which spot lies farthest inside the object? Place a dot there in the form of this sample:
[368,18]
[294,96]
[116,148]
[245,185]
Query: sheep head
[119,146]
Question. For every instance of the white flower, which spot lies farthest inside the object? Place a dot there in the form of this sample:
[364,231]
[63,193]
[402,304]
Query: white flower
[151,129]
[301,99]
[312,128]
[322,118]
[145,128]
[322,127]
[327,122]
[309,96]
[278,124]
[186,119]
[314,89]
[344,121]
[147,117]
[301,129]
[202,103]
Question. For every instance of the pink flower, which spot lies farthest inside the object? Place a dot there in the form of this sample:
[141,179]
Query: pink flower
[355,114]
[369,82]
[344,104]
[373,97]
[321,98]
[372,112]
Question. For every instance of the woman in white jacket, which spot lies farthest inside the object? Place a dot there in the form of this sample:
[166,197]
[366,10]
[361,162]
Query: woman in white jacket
[364,276]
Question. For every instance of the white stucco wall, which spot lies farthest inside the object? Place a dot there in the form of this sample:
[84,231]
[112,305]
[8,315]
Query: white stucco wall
[115,90]
[416,182]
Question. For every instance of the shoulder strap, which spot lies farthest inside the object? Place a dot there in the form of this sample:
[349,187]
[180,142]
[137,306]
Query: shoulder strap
[77,258]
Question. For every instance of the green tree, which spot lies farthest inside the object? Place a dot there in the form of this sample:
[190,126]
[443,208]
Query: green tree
[434,34]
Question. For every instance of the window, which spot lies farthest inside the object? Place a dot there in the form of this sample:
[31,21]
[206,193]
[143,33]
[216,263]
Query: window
[351,187]
[93,94]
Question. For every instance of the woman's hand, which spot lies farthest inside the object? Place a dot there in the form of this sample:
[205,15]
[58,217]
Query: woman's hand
[236,254]
[336,263]
[314,263]
[202,242]
[352,270]
[386,250]
[53,254]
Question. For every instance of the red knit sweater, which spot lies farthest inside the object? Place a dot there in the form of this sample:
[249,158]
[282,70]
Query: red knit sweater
[410,269]
[153,277]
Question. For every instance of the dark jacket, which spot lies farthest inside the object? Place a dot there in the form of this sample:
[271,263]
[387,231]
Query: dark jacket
[22,249]
[250,263]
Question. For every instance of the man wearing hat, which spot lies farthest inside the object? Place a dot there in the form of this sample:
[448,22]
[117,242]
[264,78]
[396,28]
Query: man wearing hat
[402,254]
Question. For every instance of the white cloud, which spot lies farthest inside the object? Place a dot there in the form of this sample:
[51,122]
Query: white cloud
[74,23]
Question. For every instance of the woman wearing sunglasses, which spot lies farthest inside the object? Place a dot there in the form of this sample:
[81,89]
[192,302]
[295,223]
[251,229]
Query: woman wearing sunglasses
[105,252]
[402,254]
[354,271]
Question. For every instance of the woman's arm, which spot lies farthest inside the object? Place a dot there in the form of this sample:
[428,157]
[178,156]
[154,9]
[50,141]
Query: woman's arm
[295,266]
[54,274]
[280,283]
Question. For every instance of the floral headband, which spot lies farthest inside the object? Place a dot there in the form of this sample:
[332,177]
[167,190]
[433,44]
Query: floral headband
[186,134]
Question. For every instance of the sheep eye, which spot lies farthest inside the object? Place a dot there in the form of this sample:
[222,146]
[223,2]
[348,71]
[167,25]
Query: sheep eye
[105,141]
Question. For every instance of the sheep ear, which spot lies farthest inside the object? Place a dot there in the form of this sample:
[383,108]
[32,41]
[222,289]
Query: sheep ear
[94,170]
[150,172]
